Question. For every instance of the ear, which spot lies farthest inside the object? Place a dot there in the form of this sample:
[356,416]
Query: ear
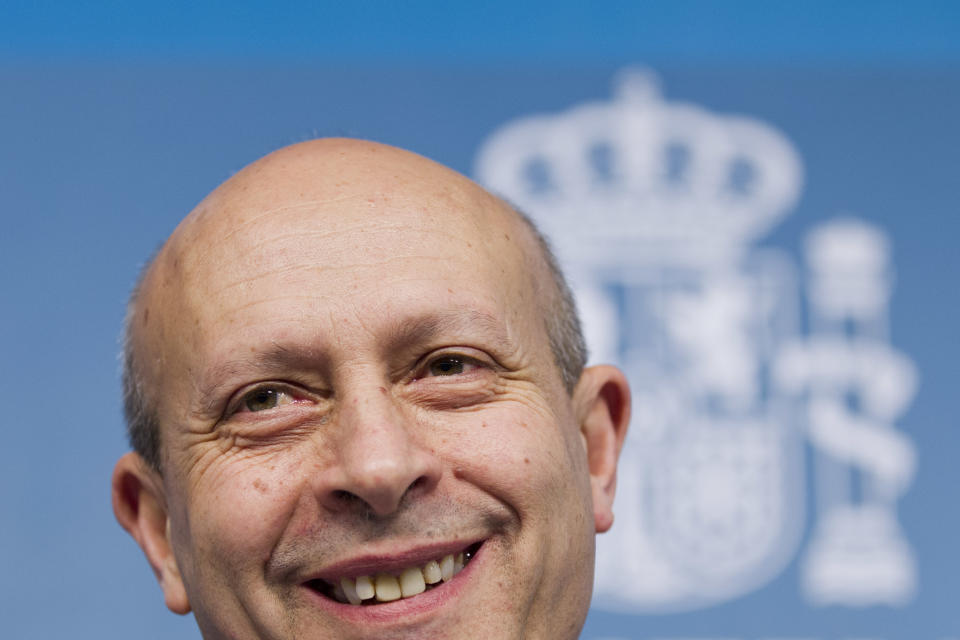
[139,504]
[602,398]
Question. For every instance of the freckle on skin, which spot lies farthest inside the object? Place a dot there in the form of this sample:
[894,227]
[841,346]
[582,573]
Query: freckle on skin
[260,486]
[526,460]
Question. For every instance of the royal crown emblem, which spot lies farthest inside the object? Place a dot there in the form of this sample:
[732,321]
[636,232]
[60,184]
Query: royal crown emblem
[655,209]
[643,179]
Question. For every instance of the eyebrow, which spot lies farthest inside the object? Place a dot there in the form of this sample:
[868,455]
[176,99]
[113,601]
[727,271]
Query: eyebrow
[424,328]
[276,357]
[419,329]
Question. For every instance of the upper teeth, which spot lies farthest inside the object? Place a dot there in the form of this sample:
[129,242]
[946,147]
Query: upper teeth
[386,587]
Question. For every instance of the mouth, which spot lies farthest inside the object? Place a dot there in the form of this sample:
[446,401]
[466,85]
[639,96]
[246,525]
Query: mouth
[394,583]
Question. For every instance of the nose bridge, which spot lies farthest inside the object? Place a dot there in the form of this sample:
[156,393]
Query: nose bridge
[380,458]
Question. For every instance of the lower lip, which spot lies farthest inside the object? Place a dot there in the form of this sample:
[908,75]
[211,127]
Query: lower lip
[404,609]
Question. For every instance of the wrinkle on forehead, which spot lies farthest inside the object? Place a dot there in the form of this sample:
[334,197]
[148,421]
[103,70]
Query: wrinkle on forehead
[321,181]
[325,180]
[365,192]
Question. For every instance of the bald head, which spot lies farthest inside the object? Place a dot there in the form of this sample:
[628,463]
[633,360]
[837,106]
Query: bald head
[334,206]
[361,364]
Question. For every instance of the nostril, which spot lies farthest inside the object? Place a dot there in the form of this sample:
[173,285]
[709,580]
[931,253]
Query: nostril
[346,497]
[372,502]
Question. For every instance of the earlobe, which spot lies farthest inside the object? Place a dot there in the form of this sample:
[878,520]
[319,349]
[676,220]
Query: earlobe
[603,400]
[139,505]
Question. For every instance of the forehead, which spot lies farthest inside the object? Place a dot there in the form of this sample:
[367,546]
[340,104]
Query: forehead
[277,251]
[303,267]
[352,249]
[309,209]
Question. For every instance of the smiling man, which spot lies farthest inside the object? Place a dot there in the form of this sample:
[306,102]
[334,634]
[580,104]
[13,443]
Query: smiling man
[357,401]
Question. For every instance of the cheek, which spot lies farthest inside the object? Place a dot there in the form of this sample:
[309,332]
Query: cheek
[523,458]
[240,505]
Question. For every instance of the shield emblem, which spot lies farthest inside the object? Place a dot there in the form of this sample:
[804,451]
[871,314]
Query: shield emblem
[653,208]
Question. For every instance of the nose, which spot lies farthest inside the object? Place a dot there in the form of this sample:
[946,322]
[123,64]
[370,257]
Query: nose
[381,456]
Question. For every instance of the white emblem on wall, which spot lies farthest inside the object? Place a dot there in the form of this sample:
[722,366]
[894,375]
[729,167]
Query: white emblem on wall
[654,209]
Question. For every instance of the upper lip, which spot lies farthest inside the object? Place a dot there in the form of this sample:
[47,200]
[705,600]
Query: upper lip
[394,561]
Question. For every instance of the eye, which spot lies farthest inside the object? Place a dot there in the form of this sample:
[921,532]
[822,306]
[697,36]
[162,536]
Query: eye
[263,399]
[451,365]
[447,366]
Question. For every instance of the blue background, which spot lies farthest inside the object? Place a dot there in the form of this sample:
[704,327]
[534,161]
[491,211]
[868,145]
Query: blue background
[117,117]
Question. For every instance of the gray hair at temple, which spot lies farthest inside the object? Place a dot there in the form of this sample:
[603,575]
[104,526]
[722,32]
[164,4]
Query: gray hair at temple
[562,321]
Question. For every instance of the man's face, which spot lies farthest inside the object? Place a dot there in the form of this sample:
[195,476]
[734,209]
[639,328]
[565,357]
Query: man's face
[355,381]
